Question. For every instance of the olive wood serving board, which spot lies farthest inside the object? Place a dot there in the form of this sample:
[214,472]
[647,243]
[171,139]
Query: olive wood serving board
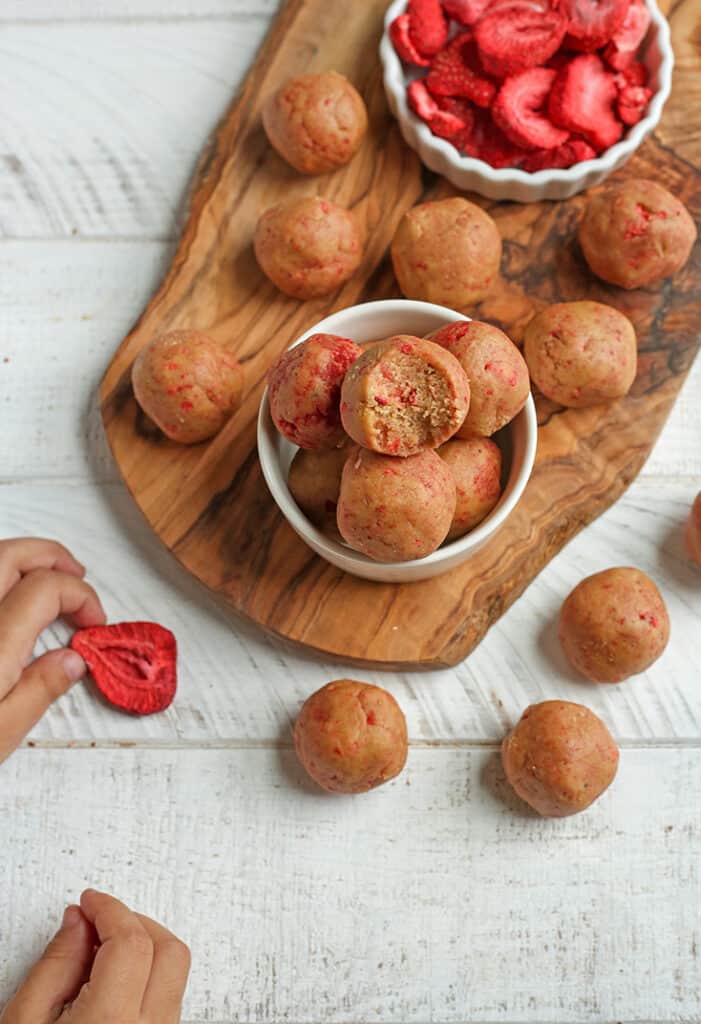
[209,503]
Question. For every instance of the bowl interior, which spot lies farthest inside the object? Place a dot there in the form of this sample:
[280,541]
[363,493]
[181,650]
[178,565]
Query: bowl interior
[369,322]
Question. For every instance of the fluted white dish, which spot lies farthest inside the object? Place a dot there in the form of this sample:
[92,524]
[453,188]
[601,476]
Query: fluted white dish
[473,175]
[369,322]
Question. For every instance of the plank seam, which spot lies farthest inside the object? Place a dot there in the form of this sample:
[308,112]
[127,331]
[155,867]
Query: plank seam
[139,19]
[683,743]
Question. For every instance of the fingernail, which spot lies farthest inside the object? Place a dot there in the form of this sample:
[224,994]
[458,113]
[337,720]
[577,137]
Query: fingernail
[74,666]
[71,917]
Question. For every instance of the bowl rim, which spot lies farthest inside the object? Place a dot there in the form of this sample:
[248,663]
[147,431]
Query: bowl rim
[394,81]
[454,551]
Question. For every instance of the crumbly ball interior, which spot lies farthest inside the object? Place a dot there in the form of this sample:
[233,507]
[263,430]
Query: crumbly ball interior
[410,399]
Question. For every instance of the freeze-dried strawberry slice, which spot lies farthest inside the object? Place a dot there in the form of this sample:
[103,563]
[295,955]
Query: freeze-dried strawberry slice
[428,27]
[591,23]
[455,71]
[521,110]
[401,41]
[567,155]
[625,41]
[420,100]
[634,74]
[582,100]
[632,103]
[516,36]
[132,663]
[467,12]
[443,123]
[487,142]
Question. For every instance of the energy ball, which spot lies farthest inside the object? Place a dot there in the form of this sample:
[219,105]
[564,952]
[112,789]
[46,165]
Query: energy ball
[496,370]
[316,122]
[559,758]
[187,384]
[304,390]
[476,467]
[395,510]
[446,252]
[692,534]
[581,353]
[314,481]
[635,233]
[613,625]
[351,737]
[404,395]
[308,246]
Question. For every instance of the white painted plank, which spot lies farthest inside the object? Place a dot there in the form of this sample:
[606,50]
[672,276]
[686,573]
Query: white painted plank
[236,686]
[137,10]
[103,123]
[434,899]
[65,307]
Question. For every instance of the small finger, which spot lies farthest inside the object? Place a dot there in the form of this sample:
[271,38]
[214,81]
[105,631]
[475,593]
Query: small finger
[169,973]
[25,554]
[33,604]
[39,686]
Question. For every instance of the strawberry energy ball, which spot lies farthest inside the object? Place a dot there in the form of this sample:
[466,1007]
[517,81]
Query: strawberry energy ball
[314,481]
[476,467]
[316,122]
[187,384]
[613,625]
[496,370]
[692,534]
[447,252]
[395,510]
[559,758]
[581,353]
[404,395]
[351,737]
[304,390]
[636,233]
[308,246]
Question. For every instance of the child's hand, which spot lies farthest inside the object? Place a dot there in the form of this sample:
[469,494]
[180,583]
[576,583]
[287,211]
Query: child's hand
[106,965]
[39,581]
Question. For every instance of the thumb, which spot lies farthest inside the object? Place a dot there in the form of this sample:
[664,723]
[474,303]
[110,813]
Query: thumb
[40,684]
[57,977]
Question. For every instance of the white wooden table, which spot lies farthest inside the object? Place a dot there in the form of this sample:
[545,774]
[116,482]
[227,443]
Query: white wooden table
[433,899]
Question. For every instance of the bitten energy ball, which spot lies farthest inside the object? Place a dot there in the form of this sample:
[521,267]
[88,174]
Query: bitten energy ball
[692,533]
[559,758]
[635,233]
[308,246]
[351,737]
[581,353]
[395,510]
[496,370]
[446,252]
[315,481]
[404,395]
[316,122]
[187,384]
[304,390]
[476,467]
[613,625]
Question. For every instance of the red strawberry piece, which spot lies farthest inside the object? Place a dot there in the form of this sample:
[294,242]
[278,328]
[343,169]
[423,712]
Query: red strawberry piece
[401,41]
[625,41]
[632,103]
[516,36]
[635,74]
[420,100]
[582,100]
[488,142]
[455,71]
[467,12]
[572,152]
[428,27]
[445,125]
[521,110]
[591,23]
[132,663]
[442,122]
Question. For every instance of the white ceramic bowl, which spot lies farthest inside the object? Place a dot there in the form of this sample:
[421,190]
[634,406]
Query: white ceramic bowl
[473,175]
[368,322]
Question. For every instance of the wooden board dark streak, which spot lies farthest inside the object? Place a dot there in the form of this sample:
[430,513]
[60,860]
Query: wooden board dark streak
[210,505]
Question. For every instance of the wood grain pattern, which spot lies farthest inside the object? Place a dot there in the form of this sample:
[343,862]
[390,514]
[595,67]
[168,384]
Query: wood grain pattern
[210,505]
[487,915]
